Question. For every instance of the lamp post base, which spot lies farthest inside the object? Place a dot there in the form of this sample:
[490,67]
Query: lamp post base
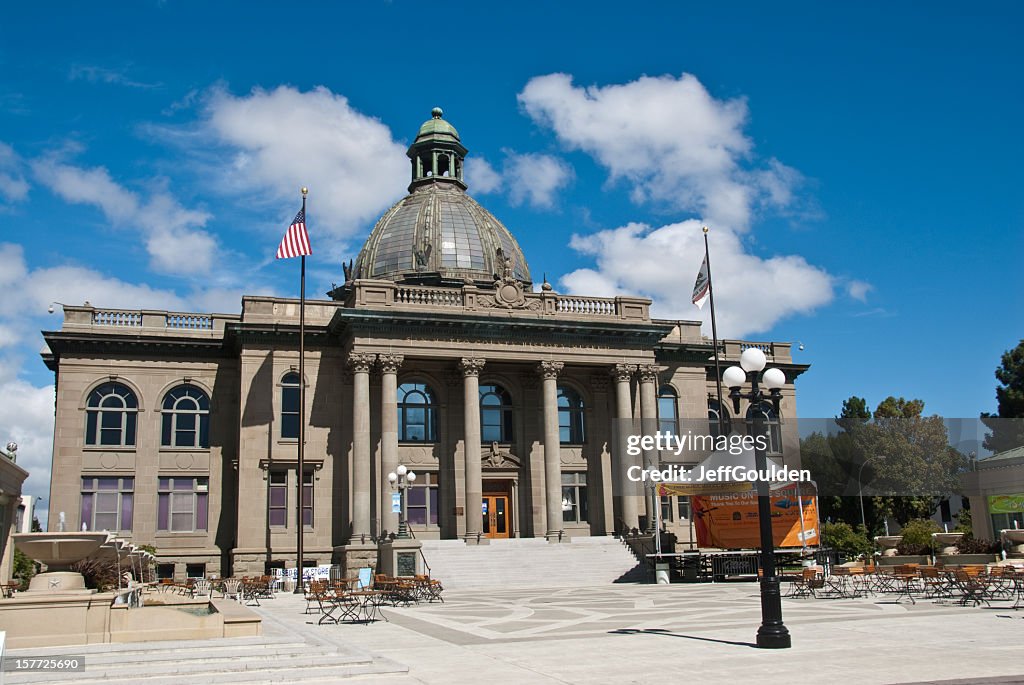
[766,641]
[773,633]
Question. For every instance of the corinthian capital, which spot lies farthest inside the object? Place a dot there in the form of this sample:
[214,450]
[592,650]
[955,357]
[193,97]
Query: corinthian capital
[549,369]
[361,362]
[622,372]
[471,367]
[648,373]
[389,363]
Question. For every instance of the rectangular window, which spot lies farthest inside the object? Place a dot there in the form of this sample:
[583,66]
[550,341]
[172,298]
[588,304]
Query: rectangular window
[277,506]
[307,499]
[683,507]
[165,571]
[290,411]
[574,497]
[195,570]
[666,509]
[108,503]
[421,501]
[182,504]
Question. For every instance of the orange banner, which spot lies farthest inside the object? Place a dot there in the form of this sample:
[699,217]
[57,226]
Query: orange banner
[729,521]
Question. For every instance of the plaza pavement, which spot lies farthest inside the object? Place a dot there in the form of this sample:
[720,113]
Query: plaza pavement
[650,633]
[604,634]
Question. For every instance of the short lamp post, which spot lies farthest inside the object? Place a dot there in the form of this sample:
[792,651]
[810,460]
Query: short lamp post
[773,633]
[402,479]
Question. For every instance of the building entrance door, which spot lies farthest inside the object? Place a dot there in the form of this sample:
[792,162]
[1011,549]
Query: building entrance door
[497,511]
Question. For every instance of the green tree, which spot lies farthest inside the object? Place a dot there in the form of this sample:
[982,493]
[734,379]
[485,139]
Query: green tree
[1009,403]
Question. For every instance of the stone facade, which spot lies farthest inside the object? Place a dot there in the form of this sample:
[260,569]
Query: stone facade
[522,391]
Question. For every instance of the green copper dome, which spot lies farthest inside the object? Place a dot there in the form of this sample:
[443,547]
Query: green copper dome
[438,234]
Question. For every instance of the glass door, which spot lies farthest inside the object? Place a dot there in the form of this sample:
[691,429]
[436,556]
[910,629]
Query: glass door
[496,515]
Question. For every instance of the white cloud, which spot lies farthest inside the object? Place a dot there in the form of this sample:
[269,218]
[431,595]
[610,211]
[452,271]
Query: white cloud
[26,417]
[532,178]
[118,77]
[535,178]
[283,139]
[668,138]
[859,290]
[751,293]
[481,177]
[13,186]
[173,238]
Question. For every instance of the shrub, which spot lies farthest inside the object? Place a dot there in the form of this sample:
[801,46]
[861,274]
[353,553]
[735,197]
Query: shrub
[842,537]
[969,544]
[917,537]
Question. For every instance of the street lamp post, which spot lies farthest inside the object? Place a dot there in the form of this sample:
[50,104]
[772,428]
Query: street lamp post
[401,479]
[773,633]
[860,492]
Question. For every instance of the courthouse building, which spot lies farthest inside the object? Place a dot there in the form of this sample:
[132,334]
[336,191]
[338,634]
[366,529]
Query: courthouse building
[439,352]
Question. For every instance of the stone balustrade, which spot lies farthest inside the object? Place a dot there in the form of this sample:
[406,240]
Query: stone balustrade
[145,320]
[469,298]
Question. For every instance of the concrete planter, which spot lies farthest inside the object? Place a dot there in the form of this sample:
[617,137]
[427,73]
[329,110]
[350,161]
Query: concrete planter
[899,560]
[1016,539]
[888,543]
[946,542]
[964,559]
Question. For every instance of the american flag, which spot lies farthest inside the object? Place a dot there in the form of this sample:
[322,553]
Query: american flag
[296,241]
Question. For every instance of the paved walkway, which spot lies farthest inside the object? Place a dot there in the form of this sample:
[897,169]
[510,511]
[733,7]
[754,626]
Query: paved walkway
[647,633]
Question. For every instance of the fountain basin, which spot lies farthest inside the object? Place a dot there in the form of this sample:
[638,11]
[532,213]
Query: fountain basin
[888,543]
[1015,536]
[59,551]
[947,541]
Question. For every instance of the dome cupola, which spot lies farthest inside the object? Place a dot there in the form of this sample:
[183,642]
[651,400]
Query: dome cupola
[438,234]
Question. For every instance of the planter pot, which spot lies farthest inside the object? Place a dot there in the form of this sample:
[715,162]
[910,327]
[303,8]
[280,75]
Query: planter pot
[899,560]
[888,544]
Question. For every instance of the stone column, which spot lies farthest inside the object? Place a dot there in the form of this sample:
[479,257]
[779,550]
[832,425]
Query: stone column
[648,374]
[623,489]
[360,364]
[388,364]
[471,447]
[549,371]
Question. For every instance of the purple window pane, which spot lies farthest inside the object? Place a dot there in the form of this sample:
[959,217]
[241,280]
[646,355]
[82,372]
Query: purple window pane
[277,517]
[307,496]
[433,506]
[127,510]
[106,521]
[181,522]
[278,497]
[307,518]
[417,516]
[106,503]
[163,500]
[182,483]
[165,484]
[128,483]
[106,484]
[417,497]
[201,511]
[87,510]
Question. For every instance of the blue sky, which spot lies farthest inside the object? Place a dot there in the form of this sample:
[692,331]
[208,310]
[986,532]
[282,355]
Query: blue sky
[859,165]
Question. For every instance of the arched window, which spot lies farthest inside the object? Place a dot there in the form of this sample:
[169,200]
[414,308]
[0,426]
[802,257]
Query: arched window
[110,416]
[716,411]
[570,417]
[186,418]
[416,413]
[495,414]
[668,410]
[290,405]
[770,425]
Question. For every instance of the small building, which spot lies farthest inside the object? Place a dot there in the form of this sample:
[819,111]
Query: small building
[995,486]
[439,352]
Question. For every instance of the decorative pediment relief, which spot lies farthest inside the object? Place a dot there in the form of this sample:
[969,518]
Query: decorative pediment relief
[497,458]
[572,456]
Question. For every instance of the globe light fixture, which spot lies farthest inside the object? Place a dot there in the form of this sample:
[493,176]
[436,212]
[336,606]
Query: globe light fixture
[402,479]
[773,633]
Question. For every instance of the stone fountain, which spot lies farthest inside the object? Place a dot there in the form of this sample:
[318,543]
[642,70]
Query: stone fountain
[888,543]
[59,551]
[948,542]
[1015,536]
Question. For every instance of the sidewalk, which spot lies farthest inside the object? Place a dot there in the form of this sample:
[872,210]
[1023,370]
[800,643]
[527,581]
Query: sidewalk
[647,633]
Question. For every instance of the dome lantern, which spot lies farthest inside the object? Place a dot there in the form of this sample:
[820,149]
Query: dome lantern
[437,153]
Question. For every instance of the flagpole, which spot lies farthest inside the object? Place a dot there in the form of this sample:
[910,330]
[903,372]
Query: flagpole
[714,331]
[301,471]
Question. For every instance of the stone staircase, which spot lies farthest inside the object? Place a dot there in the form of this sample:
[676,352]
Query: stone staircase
[532,562]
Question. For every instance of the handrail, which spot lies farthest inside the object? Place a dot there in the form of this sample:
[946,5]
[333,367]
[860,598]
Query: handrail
[422,555]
